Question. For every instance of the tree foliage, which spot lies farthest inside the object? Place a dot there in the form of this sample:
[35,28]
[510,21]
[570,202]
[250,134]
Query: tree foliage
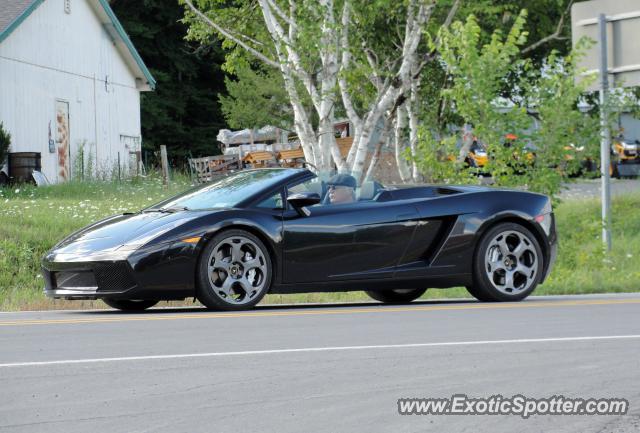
[255,97]
[381,28]
[541,110]
[351,57]
[328,52]
[183,112]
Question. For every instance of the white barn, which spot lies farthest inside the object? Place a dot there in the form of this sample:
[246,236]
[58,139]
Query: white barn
[70,79]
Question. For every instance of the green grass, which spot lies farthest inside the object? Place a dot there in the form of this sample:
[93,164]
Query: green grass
[582,266]
[33,219]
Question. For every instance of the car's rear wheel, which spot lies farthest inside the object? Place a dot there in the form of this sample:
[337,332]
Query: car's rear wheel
[129,304]
[396,296]
[507,264]
[234,272]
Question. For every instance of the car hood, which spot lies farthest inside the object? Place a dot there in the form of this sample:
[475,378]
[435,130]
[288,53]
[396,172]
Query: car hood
[122,230]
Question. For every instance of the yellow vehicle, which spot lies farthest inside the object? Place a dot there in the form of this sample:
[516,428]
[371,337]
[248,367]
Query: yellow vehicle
[477,156]
[625,158]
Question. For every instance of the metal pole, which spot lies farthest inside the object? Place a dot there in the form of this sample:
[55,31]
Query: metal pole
[604,135]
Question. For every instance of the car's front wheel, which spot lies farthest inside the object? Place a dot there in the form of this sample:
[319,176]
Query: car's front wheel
[507,264]
[129,304]
[396,296]
[234,272]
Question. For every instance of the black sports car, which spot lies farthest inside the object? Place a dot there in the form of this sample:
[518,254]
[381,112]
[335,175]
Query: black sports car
[231,241]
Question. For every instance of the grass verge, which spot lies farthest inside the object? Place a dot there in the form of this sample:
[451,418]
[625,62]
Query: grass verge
[33,219]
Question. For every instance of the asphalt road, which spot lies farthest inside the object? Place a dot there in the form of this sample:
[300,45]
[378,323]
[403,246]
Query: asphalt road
[590,188]
[334,368]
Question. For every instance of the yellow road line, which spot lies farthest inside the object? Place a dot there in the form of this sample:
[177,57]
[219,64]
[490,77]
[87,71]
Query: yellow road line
[314,312]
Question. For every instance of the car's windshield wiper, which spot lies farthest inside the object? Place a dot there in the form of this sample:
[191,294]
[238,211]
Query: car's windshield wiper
[167,209]
[175,209]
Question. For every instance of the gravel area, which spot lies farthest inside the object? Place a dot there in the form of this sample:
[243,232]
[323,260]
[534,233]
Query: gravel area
[591,188]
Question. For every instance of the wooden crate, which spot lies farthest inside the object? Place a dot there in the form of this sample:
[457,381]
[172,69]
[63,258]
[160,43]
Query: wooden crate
[207,167]
[291,157]
[260,158]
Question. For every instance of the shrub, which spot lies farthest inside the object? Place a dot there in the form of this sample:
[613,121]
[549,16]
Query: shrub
[5,141]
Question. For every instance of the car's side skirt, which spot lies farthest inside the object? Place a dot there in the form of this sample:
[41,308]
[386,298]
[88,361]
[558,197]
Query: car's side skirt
[433,281]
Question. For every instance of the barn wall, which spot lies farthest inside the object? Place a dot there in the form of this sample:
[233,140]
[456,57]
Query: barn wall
[54,56]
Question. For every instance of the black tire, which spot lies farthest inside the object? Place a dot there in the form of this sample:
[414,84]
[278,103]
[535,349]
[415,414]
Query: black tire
[480,296]
[524,270]
[130,305]
[396,296]
[211,288]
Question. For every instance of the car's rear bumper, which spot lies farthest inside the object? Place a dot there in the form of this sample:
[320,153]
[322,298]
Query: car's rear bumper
[553,253]
[551,247]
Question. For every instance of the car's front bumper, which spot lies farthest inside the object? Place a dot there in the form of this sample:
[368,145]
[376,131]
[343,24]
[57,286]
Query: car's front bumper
[87,280]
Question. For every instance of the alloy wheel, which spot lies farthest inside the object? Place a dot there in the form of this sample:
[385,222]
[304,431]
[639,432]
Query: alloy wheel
[237,270]
[511,262]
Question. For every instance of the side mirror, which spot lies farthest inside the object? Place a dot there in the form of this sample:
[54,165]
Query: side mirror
[300,200]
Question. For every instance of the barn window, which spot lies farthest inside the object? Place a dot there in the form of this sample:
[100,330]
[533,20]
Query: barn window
[67,6]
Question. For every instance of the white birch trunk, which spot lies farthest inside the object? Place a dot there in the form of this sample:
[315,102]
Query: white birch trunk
[384,140]
[401,161]
[412,111]
[329,76]
[398,86]
[374,161]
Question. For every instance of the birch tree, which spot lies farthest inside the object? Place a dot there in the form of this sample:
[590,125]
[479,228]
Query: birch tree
[317,46]
[392,63]
[297,39]
[390,74]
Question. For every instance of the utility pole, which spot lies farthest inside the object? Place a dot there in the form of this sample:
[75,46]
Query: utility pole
[605,135]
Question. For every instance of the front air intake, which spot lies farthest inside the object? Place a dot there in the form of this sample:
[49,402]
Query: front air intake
[114,276]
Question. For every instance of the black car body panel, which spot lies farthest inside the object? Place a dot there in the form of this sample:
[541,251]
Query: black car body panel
[405,237]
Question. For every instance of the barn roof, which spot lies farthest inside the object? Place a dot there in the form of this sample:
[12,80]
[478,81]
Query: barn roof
[10,10]
[14,12]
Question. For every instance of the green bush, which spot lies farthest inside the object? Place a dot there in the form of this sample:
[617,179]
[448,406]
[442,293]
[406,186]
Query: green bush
[5,142]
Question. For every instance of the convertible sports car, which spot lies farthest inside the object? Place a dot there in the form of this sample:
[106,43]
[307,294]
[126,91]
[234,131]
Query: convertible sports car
[231,241]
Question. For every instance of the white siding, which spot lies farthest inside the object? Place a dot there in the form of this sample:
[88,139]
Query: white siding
[53,56]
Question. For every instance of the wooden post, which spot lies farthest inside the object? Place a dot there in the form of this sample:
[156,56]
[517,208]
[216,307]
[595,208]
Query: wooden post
[138,162]
[165,165]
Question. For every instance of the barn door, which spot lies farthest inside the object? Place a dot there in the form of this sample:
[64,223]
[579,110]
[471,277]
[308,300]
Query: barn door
[133,156]
[62,140]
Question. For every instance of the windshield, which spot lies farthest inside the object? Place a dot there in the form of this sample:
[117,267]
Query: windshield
[335,188]
[226,192]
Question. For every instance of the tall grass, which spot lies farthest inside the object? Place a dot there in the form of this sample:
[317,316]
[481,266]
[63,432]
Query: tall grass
[33,219]
[582,266]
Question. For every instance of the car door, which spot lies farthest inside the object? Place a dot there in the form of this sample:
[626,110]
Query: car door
[352,241]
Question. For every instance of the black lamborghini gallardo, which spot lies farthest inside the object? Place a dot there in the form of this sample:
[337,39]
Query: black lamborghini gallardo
[231,241]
